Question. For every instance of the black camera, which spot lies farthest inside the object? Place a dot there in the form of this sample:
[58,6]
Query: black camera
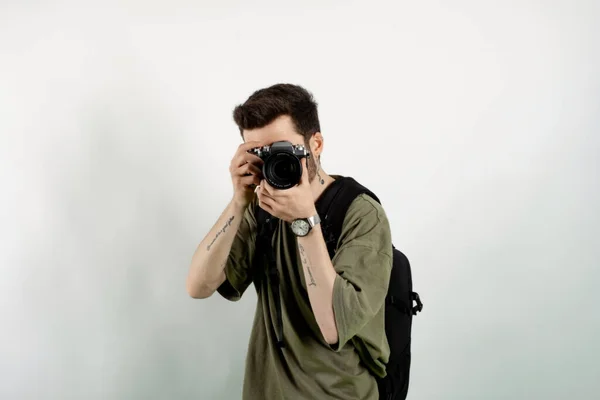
[282,167]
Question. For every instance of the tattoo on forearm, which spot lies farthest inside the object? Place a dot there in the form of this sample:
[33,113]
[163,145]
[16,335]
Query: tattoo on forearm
[306,264]
[312,280]
[227,224]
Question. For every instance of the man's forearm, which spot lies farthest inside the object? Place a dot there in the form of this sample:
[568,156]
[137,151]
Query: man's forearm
[209,259]
[320,276]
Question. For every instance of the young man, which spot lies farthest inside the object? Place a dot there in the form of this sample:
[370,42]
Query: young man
[328,339]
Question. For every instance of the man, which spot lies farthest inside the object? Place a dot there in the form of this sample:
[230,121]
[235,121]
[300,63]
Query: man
[332,311]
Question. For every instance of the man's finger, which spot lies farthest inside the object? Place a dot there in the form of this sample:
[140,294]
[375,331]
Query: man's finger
[249,181]
[247,158]
[249,145]
[266,208]
[263,191]
[304,177]
[268,188]
[264,199]
[249,169]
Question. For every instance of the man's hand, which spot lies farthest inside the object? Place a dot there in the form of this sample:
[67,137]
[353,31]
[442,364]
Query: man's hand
[245,170]
[289,204]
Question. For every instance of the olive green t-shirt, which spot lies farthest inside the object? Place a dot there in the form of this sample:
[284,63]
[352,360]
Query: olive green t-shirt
[308,367]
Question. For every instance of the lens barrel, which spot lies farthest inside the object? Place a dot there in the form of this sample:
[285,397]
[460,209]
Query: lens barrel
[282,170]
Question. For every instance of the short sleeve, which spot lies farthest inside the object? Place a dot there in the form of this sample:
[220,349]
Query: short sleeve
[238,269]
[363,263]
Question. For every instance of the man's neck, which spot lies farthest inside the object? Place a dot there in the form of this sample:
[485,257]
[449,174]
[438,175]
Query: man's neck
[317,187]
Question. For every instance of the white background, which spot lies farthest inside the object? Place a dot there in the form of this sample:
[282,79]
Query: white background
[476,123]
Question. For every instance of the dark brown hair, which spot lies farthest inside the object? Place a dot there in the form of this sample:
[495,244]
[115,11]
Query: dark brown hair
[265,105]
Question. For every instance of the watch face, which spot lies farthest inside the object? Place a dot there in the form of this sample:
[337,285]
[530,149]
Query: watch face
[300,227]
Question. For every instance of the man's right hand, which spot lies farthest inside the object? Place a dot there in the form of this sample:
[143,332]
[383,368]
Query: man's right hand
[246,173]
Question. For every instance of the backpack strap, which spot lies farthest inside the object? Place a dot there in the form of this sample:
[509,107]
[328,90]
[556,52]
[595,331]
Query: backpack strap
[332,206]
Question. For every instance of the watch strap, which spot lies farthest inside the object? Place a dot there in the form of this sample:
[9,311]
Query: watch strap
[314,220]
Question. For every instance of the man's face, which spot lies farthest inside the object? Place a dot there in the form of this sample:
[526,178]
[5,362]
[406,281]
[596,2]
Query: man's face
[281,129]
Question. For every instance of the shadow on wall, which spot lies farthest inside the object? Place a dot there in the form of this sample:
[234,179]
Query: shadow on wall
[121,251]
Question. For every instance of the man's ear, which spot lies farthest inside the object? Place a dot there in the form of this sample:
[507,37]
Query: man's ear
[316,145]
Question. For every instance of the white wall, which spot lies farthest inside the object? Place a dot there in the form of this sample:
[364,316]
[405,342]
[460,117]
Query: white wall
[476,122]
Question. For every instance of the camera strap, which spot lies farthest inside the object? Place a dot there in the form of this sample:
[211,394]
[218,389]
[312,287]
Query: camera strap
[266,224]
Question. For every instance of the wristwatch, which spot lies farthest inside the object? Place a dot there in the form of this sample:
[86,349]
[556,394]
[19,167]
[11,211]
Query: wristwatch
[302,226]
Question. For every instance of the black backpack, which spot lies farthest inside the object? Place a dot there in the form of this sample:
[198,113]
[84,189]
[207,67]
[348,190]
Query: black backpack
[399,309]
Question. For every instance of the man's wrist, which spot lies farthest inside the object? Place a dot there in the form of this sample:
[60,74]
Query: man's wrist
[315,231]
[309,213]
[302,226]
[237,206]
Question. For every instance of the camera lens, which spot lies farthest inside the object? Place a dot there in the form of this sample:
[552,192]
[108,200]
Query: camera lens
[283,170]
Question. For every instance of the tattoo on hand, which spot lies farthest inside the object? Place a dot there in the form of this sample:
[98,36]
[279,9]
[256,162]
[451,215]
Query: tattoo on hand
[227,224]
[307,264]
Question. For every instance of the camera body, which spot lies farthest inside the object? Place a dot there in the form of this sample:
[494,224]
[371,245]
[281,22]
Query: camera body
[282,166]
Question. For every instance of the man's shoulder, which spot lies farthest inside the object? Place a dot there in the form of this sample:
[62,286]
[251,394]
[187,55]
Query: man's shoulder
[366,225]
[366,201]
[365,206]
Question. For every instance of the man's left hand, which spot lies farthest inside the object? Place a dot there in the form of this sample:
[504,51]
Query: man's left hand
[289,204]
